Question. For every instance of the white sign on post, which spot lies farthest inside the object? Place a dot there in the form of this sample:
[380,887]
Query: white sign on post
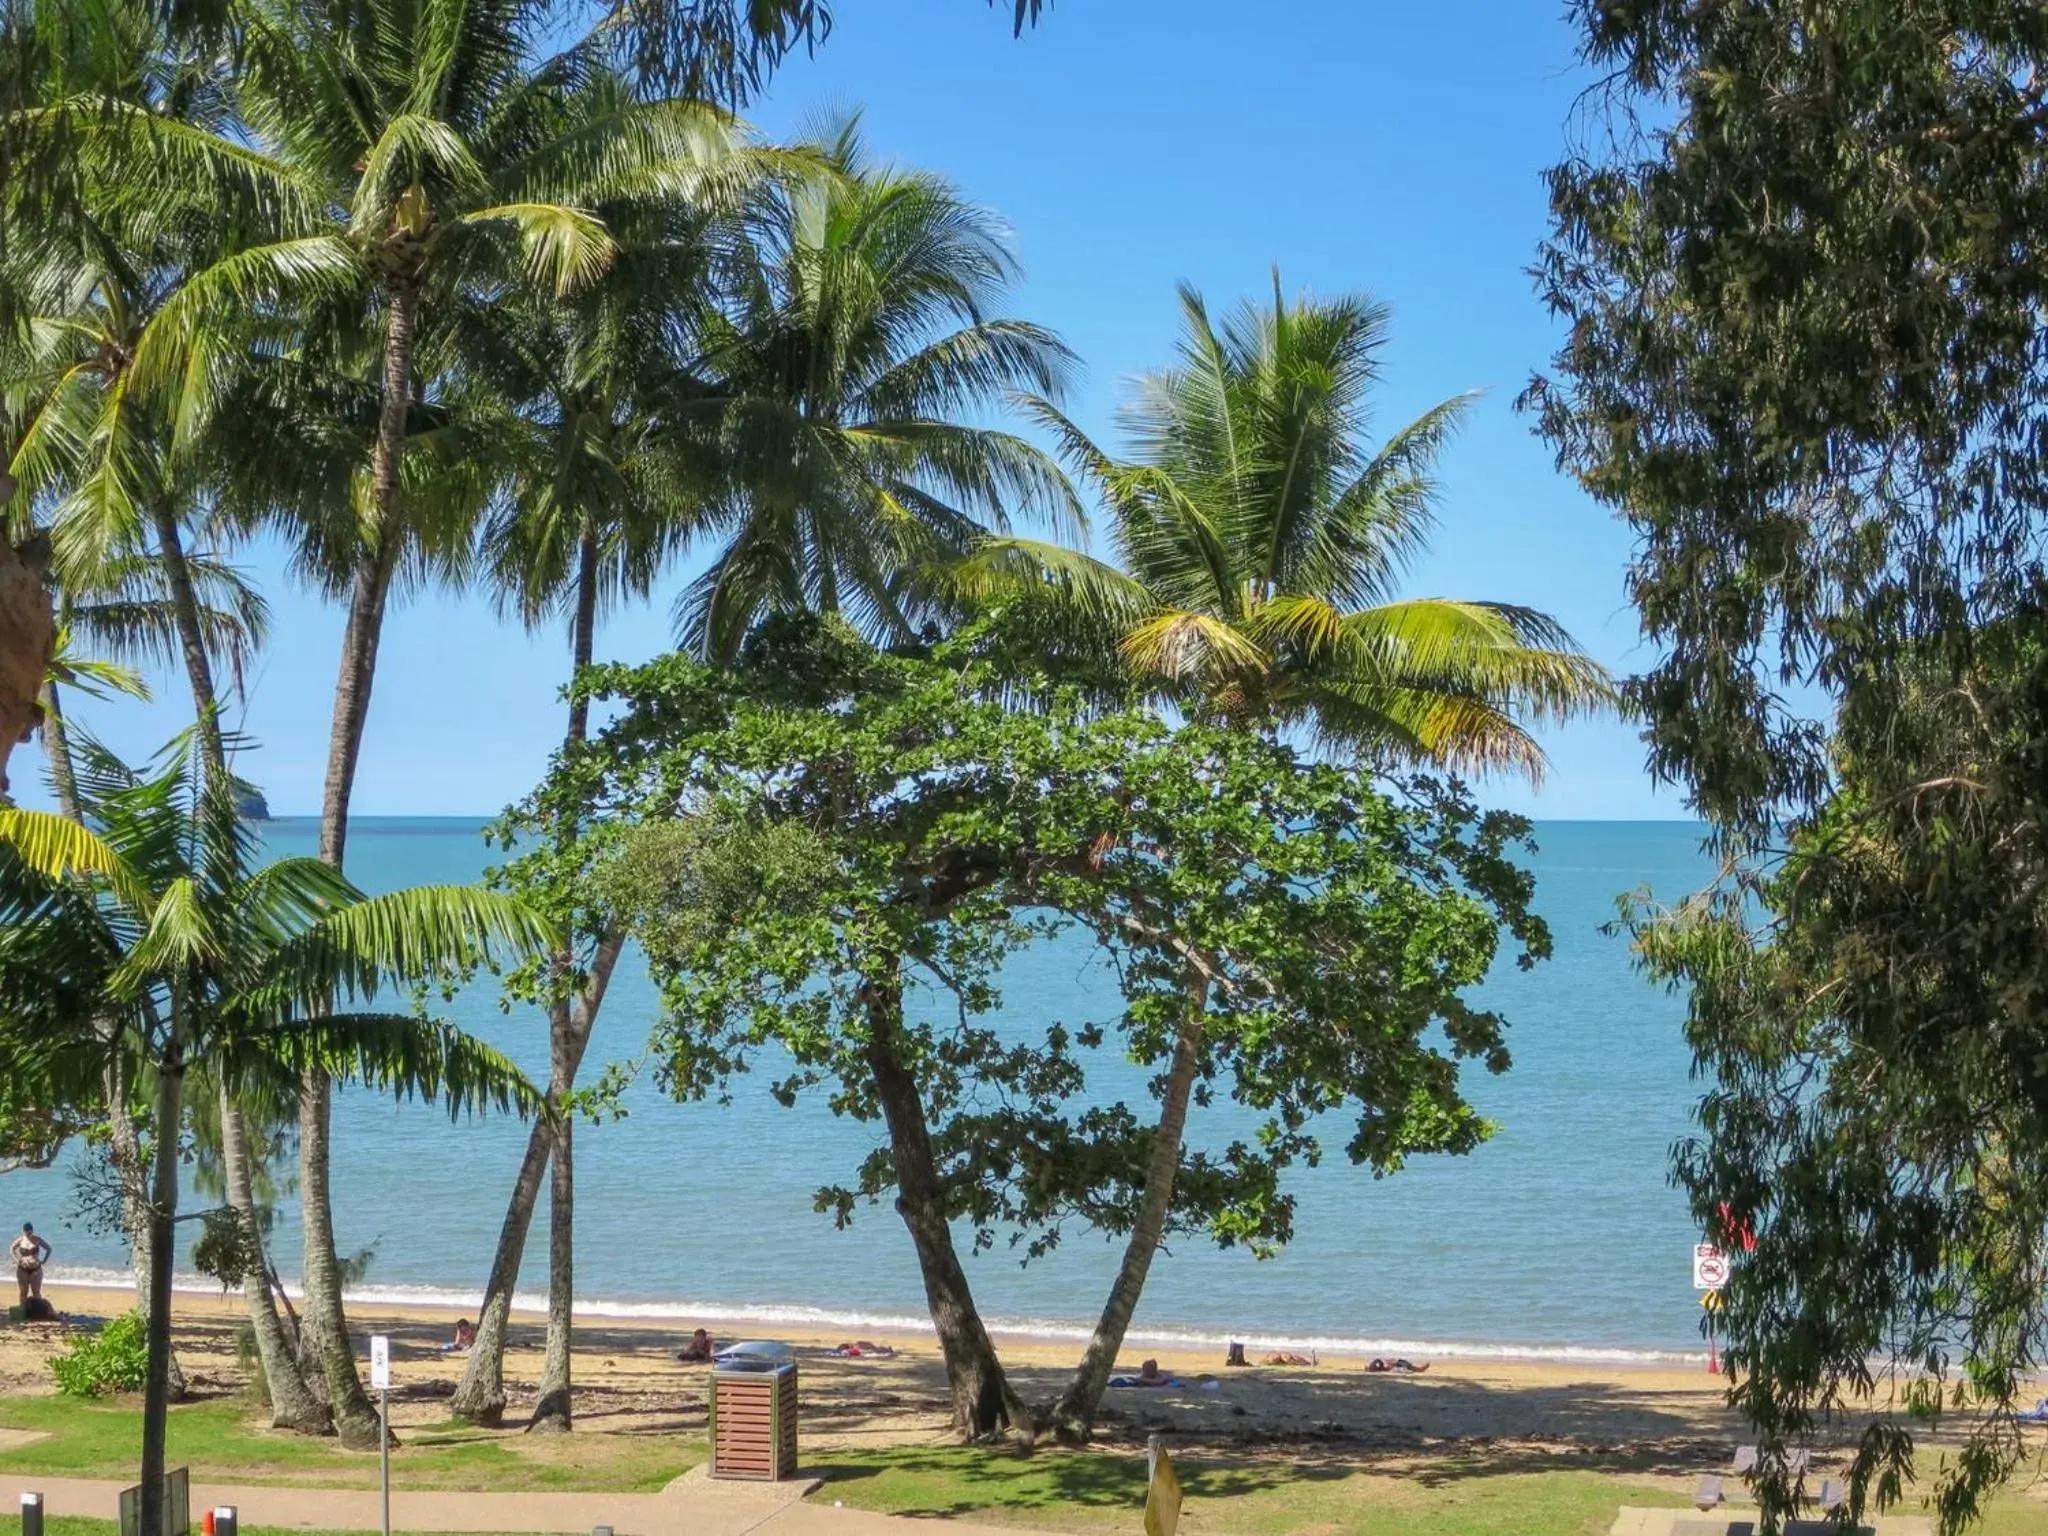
[1709,1268]
[380,1362]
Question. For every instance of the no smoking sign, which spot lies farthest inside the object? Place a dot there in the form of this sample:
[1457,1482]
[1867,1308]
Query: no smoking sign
[1709,1268]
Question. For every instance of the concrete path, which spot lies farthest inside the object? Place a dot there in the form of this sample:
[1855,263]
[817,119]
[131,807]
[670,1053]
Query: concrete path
[1742,1522]
[692,1505]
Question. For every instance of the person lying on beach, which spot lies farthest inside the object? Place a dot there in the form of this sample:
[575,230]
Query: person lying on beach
[1286,1357]
[1376,1364]
[1149,1375]
[465,1338]
[863,1350]
[699,1350]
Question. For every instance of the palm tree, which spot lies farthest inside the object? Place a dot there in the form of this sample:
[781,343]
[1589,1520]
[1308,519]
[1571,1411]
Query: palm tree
[157,184]
[126,619]
[454,169]
[129,618]
[1259,537]
[605,473]
[859,352]
[158,924]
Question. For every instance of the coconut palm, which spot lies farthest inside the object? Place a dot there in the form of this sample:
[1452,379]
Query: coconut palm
[155,921]
[446,166]
[858,355]
[159,184]
[1258,540]
[605,470]
[1259,537]
[127,620]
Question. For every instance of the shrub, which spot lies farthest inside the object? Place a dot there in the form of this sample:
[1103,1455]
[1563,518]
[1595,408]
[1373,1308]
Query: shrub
[114,1359]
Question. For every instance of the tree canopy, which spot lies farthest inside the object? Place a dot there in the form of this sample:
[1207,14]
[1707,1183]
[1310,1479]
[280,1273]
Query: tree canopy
[1802,272]
[833,850]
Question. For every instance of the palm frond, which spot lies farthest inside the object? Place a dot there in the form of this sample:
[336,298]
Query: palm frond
[58,849]
[566,248]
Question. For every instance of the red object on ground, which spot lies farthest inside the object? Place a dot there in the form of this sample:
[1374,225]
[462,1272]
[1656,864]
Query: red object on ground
[206,1522]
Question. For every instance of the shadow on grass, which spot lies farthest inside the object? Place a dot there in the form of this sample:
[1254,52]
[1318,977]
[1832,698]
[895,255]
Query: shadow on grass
[946,1481]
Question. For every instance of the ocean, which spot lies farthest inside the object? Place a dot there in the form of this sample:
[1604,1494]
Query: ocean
[1560,1238]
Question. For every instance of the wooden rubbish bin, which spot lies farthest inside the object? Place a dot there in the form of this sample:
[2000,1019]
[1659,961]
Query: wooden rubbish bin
[753,1423]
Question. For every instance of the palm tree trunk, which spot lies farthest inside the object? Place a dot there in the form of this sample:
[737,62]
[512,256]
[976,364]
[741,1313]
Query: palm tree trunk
[126,1147]
[326,1322]
[480,1397]
[57,747]
[326,1326]
[984,1405]
[583,631]
[553,1411]
[1074,1415]
[163,1210]
[191,637]
[292,1403]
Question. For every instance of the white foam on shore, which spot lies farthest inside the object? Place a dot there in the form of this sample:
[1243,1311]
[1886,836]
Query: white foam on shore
[850,1321]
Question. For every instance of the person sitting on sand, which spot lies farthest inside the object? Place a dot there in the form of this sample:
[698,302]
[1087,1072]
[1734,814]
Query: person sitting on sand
[1377,1365]
[1287,1357]
[699,1350]
[465,1338]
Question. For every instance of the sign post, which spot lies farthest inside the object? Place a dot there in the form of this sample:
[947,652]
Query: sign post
[380,1378]
[1710,1278]
[1162,1490]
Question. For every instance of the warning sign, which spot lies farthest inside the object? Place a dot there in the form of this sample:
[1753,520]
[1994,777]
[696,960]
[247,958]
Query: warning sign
[1709,1267]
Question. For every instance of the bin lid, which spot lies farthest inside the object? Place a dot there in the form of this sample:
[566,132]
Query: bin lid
[754,1355]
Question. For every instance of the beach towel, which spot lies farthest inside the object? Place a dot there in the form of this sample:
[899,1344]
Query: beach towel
[1139,1381]
[2038,1414]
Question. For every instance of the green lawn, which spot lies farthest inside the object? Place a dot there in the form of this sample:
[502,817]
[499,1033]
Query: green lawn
[1086,1491]
[92,1439]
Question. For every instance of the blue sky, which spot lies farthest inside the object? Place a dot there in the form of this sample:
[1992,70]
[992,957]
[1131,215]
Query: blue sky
[1358,144]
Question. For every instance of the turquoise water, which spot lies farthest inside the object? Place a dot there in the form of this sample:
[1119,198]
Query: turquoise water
[1559,1236]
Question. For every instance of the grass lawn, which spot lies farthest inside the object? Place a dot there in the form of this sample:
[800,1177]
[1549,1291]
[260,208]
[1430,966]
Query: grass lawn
[220,1443]
[1085,1491]
[1088,1491]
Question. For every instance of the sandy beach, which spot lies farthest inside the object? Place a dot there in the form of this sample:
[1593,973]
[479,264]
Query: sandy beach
[628,1381]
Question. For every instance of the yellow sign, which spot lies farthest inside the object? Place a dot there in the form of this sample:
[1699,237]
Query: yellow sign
[1162,1498]
[1711,1300]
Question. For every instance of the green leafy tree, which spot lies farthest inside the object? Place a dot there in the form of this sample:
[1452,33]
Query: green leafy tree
[154,920]
[1800,282]
[804,842]
[859,354]
[1864,1014]
[1258,537]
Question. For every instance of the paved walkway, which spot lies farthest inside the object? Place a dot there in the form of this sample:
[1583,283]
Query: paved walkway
[692,1505]
[1740,1522]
